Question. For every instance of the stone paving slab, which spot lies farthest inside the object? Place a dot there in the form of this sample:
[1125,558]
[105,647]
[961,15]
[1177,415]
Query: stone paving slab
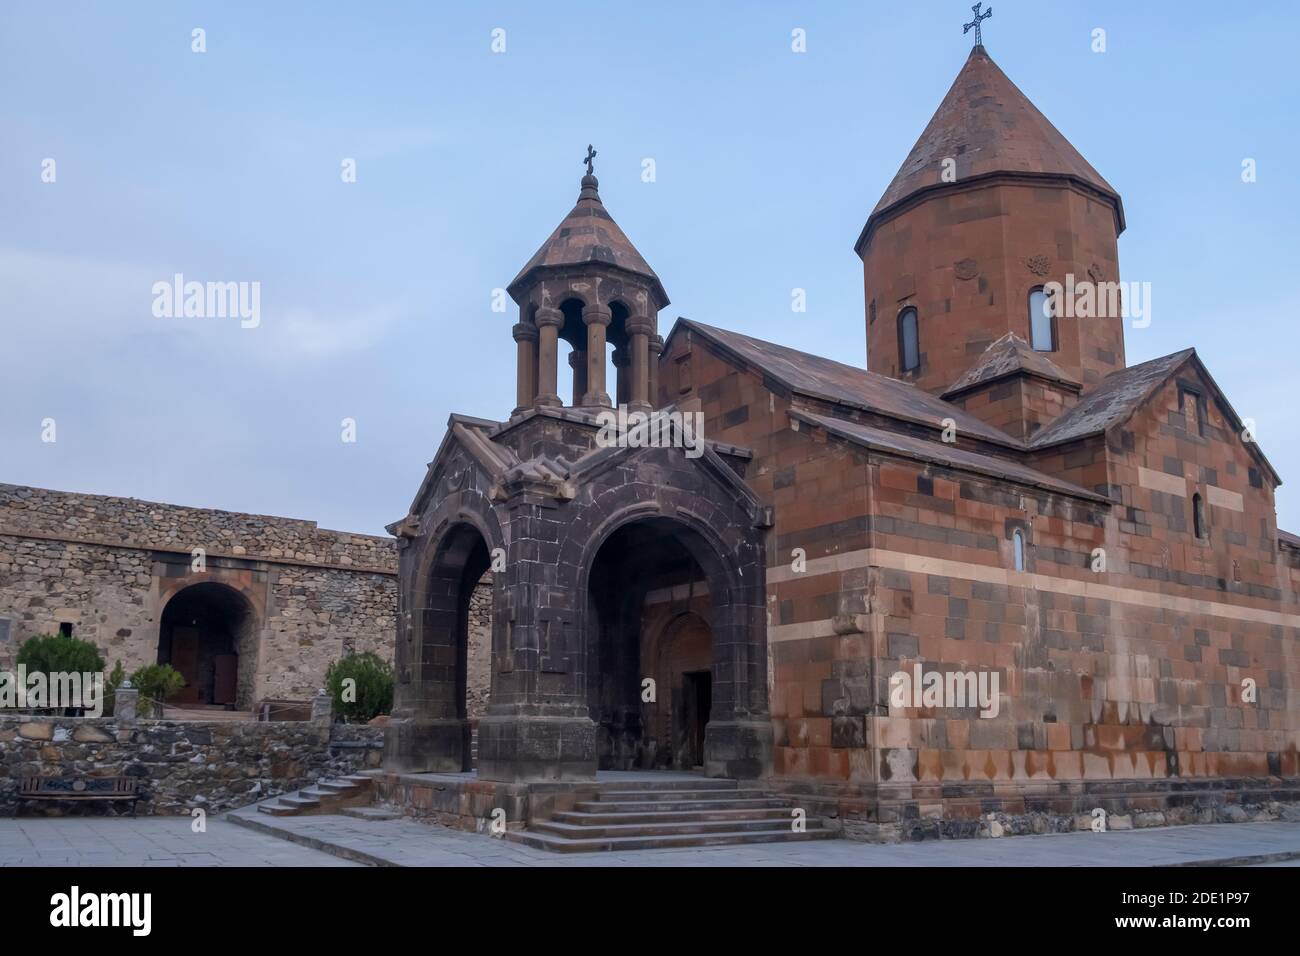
[405,842]
[147,841]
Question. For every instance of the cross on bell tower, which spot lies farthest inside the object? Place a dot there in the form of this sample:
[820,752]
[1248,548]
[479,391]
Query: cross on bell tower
[979,39]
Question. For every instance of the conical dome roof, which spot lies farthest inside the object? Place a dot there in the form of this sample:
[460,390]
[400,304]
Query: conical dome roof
[589,235]
[988,126]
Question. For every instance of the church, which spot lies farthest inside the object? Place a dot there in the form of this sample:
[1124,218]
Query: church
[998,499]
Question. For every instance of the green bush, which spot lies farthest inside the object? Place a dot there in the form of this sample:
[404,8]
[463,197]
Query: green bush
[156,683]
[370,696]
[111,684]
[54,653]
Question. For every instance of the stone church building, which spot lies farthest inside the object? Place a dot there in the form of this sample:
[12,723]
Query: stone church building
[998,495]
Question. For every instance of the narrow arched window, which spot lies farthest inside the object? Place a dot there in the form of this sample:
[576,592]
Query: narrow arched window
[1042,328]
[909,341]
[1018,547]
[1198,516]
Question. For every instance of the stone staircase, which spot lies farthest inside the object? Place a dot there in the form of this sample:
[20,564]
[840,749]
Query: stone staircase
[691,812]
[349,796]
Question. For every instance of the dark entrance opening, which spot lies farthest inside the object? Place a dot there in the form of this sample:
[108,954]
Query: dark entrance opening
[650,650]
[206,630]
[455,650]
[697,688]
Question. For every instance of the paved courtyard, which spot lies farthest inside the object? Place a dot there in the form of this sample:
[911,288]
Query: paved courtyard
[300,841]
[146,841]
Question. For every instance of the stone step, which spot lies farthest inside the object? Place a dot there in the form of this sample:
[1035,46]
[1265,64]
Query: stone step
[319,794]
[686,782]
[357,780]
[277,809]
[300,802]
[342,787]
[654,806]
[552,841]
[582,831]
[646,796]
[369,813]
[673,816]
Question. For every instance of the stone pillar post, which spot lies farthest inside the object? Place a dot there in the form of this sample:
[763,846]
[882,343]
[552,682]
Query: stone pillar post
[656,347]
[639,328]
[322,707]
[597,319]
[126,702]
[526,372]
[548,325]
[578,362]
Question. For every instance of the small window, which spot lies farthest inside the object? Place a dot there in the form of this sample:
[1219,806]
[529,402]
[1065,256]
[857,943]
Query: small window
[1042,326]
[1191,405]
[65,629]
[909,341]
[1198,517]
[1018,547]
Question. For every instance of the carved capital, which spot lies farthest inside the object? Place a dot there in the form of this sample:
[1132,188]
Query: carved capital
[595,315]
[640,325]
[523,332]
[547,317]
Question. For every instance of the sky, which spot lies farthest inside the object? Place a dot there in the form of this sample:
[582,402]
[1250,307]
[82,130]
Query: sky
[376,296]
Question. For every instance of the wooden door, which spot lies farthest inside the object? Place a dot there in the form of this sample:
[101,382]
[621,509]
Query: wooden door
[225,669]
[185,658]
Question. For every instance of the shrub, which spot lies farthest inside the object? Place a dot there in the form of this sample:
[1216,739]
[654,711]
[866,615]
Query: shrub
[372,693]
[157,682]
[54,653]
[111,685]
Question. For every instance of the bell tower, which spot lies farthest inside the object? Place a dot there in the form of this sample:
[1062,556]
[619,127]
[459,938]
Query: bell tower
[991,206]
[589,286]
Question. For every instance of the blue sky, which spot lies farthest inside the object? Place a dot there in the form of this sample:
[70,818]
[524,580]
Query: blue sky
[376,296]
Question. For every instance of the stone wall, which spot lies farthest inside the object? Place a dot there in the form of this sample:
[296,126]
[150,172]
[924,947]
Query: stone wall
[107,567]
[213,765]
[67,516]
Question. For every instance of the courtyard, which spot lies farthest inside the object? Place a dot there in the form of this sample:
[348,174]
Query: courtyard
[327,840]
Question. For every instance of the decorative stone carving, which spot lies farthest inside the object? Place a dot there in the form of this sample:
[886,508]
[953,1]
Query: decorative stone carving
[1039,265]
[1096,273]
[966,269]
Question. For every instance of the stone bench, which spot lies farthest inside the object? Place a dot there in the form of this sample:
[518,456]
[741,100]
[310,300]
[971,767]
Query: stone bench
[80,788]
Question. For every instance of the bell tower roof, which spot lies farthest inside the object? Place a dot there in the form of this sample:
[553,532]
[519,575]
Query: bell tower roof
[989,127]
[588,235]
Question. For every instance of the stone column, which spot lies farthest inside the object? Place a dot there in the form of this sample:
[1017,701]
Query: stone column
[656,347]
[548,325]
[622,384]
[639,328]
[597,319]
[526,371]
[578,362]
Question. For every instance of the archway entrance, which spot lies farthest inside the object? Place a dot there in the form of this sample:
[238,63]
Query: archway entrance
[442,688]
[652,658]
[207,634]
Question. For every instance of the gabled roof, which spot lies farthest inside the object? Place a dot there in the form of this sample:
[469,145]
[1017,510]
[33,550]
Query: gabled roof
[831,381]
[1112,401]
[988,126]
[1287,539]
[1007,356]
[589,234]
[1116,398]
[941,453]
